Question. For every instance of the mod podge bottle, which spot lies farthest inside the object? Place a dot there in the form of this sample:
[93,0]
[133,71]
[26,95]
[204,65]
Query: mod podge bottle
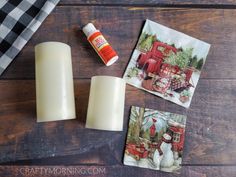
[100,44]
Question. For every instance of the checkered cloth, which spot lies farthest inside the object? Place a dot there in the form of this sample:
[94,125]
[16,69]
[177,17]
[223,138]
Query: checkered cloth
[19,19]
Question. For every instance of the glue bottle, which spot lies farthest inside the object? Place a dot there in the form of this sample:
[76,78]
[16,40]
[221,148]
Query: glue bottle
[100,44]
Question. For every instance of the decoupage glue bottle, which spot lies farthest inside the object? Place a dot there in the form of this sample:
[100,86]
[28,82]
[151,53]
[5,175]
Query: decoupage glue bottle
[100,44]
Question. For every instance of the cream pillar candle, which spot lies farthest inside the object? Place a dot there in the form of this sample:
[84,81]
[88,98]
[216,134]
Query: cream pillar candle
[54,82]
[106,103]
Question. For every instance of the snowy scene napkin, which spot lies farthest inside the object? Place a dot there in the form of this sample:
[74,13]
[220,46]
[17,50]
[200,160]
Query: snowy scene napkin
[155,140]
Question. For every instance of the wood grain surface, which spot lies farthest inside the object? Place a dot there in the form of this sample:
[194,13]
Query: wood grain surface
[210,134]
[122,29]
[112,170]
[202,3]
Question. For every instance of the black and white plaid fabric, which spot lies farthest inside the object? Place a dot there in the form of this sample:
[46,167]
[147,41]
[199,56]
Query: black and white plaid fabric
[19,19]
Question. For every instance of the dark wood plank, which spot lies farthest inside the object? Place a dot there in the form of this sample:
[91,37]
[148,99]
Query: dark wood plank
[148,2]
[111,171]
[22,138]
[210,133]
[122,28]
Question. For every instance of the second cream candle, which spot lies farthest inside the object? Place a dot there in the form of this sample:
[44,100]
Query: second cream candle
[106,103]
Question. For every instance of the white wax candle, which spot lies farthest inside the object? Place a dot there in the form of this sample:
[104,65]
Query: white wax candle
[54,82]
[106,103]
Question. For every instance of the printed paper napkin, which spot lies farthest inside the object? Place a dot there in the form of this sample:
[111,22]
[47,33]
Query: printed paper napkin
[167,63]
[155,140]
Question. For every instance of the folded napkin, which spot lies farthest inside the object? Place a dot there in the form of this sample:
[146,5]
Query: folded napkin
[19,19]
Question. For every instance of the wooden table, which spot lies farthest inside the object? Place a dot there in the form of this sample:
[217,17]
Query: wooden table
[210,146]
